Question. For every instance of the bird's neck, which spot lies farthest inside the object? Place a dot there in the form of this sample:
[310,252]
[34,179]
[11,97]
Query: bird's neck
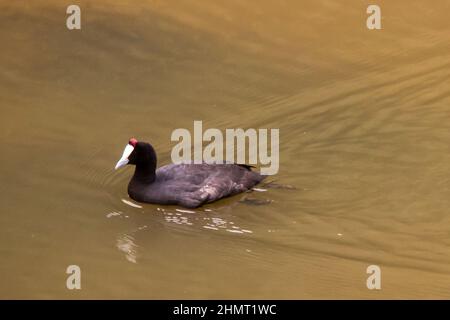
[146,166]
[145,173]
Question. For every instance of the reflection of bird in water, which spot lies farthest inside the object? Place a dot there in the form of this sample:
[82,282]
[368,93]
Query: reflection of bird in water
[206,218]
[126,244]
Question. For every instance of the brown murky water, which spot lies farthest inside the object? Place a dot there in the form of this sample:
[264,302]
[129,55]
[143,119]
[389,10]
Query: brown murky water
[364,137]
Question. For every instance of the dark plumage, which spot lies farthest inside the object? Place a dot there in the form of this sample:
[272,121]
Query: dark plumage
[188,185]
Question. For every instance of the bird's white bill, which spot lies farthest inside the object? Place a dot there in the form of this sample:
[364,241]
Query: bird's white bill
[124,160]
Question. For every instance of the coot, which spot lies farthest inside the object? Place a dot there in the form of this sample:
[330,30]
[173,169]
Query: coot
[188,185]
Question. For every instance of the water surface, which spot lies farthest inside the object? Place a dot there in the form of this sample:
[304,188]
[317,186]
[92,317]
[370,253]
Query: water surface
[364,137]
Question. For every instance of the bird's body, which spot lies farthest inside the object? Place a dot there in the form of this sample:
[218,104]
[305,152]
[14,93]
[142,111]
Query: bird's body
[192,185]
[189,185]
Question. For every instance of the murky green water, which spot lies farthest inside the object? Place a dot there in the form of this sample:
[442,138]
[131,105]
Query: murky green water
[364,137]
